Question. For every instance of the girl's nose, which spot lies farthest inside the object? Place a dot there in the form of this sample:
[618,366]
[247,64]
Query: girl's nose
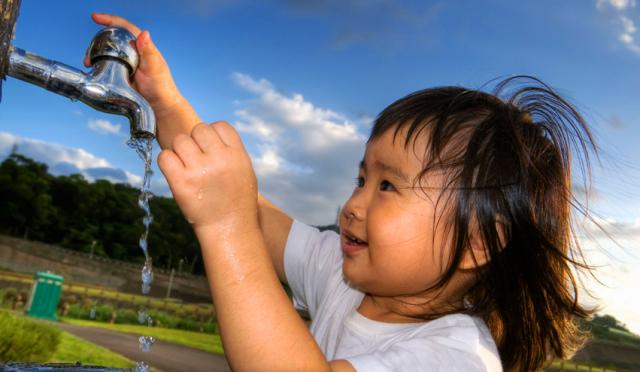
[352,211]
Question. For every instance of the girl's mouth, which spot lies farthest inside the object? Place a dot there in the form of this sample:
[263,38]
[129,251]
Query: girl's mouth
[351,244]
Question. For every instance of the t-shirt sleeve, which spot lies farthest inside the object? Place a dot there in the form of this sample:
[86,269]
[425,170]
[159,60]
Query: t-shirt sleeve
[311,259]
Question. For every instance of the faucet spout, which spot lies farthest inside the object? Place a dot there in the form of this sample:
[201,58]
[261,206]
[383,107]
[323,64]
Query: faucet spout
[107,87]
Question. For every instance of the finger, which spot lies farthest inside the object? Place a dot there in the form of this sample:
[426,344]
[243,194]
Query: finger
[113,20]
[227,133]
[169,163]
[150,57]
[186,149]
[206,137]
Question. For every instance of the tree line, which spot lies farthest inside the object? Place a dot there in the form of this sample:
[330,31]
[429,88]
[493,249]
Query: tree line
[98,217]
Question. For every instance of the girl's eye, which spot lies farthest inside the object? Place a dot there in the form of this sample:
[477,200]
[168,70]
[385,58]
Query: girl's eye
[386,186]
[359,181]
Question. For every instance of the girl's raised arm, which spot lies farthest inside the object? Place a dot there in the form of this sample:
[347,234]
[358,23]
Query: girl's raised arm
[175,116]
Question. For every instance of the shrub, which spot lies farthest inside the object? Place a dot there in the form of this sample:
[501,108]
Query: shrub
[103,312]
[127,316]
[163,319]
[26,340]
[8,295]
[78,311]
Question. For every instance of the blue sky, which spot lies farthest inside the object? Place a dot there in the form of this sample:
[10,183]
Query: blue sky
[303,80]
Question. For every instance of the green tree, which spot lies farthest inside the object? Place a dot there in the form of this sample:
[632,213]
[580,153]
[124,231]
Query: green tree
[24,189]
[71,212]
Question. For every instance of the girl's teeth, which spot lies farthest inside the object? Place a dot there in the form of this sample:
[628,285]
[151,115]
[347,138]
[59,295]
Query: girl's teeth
[355,240]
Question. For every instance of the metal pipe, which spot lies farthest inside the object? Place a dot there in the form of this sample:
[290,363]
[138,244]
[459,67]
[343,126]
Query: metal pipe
[107,87]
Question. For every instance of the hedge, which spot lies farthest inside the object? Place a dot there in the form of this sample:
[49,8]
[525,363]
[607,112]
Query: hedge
[26,340]
[103,313]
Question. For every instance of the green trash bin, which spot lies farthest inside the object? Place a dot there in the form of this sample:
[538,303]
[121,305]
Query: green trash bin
[45,295]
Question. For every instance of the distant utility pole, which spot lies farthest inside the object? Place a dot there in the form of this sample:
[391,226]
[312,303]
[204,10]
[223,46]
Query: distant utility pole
[170,283]
[180,265]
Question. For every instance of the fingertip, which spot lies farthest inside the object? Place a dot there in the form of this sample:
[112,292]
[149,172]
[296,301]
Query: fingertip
[228,134]
[144,39]
[168,160]
[101,18]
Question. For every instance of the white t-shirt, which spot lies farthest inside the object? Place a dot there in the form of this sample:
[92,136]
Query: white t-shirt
[313,267]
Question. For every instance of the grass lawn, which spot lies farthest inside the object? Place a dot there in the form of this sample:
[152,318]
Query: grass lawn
[73,349]
[197,340]
[565,365]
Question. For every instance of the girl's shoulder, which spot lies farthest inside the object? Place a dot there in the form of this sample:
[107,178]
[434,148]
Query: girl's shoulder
[465,333]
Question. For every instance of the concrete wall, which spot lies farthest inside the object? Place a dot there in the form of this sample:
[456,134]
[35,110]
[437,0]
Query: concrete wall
[28,257]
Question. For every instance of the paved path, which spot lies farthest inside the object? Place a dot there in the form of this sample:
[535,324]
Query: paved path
[164,356]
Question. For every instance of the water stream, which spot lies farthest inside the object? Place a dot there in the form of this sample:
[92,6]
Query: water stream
[143,147]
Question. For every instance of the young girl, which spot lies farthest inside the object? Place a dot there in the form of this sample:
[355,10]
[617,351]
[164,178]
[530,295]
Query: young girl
[455,251]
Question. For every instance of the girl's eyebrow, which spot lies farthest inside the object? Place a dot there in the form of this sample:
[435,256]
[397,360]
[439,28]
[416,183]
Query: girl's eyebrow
[386,167]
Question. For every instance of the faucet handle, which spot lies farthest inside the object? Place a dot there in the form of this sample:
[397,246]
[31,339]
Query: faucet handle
[115,42]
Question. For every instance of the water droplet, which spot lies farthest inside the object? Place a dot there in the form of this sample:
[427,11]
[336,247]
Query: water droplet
[142,317]
[146,342]
[200,194]
[147,273]
[142,203]
[143,244]
[142,367]
[147,220]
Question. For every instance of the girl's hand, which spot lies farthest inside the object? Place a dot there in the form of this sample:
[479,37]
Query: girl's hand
[152,78]
[211,178]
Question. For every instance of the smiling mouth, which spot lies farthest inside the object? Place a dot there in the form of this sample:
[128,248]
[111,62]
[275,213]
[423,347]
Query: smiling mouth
[353,240]
[351,244]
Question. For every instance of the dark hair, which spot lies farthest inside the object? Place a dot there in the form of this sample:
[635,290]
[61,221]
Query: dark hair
[508,156]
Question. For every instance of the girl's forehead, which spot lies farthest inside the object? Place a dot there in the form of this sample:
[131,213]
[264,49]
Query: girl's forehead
[391,150]
[395,143]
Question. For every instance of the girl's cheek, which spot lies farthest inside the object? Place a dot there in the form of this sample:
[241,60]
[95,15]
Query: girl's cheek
[386,223]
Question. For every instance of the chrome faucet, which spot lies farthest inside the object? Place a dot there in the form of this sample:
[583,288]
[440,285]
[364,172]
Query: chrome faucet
[107,87]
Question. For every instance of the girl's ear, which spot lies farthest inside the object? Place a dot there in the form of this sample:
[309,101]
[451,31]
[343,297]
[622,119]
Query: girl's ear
[478,255]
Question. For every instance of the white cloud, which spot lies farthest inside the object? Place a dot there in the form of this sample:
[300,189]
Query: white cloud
[103,126]
[628,28]
[613,248]
[64,160]
[306,156]
[615,289]
[50,153]
[598,227]
[627,37]
[616,4]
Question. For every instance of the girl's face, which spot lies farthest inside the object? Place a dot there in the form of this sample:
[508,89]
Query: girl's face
[392,231]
